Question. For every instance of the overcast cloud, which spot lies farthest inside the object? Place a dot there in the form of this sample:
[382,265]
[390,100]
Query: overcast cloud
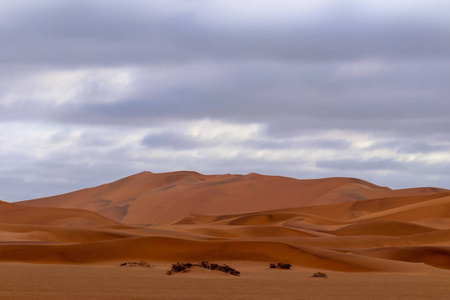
[92,91]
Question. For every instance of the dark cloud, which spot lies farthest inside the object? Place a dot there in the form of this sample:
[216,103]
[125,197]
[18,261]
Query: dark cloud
[301,143]
[171,141]
[286,101]
[377,164]
[115,32]
[361,165]
[411,147]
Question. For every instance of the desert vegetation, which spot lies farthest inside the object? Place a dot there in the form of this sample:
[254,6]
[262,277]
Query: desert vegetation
[280,265]
[184,267]
[319,275]
[142,263]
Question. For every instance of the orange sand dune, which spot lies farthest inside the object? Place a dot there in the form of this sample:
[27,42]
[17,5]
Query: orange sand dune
[19,214]
[385,228]
[169,249]
[429,207]
[148,198]
[356,209]
[339,224]
[242,232]
[55,234]
[438,257]
[431,210]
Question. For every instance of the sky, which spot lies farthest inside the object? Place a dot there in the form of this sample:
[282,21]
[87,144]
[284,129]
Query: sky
[93,91]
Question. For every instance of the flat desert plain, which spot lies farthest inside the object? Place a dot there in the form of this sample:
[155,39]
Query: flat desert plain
[371,242]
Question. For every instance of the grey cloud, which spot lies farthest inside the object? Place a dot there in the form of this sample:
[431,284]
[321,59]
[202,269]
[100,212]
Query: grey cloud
[116,32]
[359,165]
[290,102]
[47,178]
[409,147]
[331,144]
[422,147]
[23,177]
[377,164]
[302,143]
[289,99]
[286,98]
[171,141]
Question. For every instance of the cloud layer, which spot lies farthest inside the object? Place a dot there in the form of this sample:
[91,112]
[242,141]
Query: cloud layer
[91,91]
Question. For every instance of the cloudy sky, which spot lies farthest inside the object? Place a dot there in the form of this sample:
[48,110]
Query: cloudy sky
[93,91]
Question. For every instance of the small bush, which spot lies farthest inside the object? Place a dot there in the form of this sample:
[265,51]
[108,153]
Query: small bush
[179,267]
[319,275]
[229,270]
[284,266]
[137,264]
[183,267]
[280,265]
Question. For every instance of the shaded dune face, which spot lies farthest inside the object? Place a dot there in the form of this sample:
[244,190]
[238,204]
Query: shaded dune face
[341,224]
[19,214]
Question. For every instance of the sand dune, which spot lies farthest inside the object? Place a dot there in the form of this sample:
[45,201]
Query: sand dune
[339,224]
[148,198]
[54,234]
[438,257]
[19,214]
[384,228]
[169,249]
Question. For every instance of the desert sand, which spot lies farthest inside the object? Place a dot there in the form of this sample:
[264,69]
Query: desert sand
[50,281]
[371,241]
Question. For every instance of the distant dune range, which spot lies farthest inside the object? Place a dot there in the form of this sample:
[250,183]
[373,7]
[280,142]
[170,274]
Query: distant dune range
[340,224]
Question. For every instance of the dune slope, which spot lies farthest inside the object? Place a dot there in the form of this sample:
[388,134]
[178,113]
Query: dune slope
[18,214]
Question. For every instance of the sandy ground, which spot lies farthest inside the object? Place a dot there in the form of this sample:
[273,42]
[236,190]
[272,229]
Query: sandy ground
[257,281]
